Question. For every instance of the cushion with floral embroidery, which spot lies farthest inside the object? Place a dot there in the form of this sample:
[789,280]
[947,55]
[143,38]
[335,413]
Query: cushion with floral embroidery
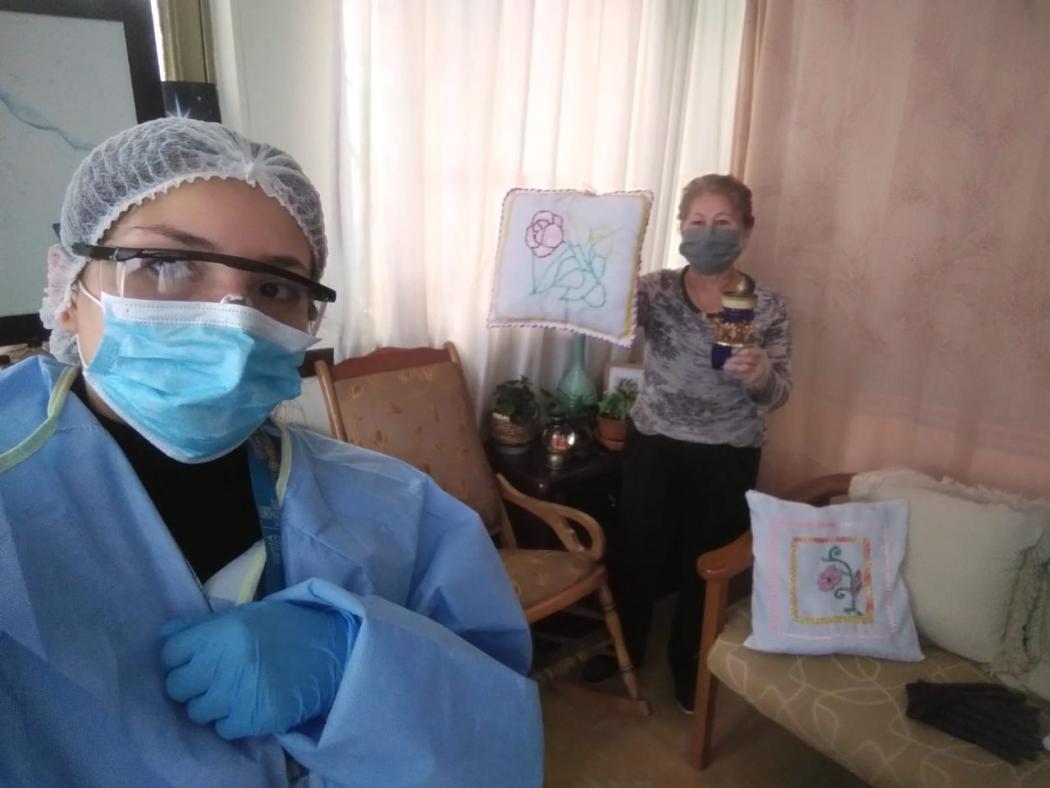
[827,580]
[569,259]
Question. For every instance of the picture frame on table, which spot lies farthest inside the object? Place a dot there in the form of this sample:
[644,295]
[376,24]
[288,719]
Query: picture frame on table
[615,373]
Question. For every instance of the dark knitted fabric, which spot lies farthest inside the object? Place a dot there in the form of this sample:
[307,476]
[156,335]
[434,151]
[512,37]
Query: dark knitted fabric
[989,715]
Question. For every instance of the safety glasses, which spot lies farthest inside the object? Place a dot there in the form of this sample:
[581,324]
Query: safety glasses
[195,275]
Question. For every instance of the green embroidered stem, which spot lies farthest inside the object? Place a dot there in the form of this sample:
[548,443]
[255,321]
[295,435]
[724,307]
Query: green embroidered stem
[842,591]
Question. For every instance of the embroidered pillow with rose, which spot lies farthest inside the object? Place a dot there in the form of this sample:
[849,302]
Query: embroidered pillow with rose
[828,580]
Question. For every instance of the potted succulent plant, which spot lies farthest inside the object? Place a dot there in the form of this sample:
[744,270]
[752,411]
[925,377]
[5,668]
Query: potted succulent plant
[612,414]
[514,420]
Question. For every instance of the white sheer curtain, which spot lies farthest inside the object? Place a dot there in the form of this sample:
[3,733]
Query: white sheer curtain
[416,117]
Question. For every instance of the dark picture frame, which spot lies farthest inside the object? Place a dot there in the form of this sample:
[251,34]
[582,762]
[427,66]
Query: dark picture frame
[136,16]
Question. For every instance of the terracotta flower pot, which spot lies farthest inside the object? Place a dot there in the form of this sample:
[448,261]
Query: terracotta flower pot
[612,432]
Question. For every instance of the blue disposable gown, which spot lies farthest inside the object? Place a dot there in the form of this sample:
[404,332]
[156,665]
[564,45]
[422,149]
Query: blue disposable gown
[434,691]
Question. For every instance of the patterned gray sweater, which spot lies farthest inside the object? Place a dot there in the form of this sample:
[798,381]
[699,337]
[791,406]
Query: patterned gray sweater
[681,396]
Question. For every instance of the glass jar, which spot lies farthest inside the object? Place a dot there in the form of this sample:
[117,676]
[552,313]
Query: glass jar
[733,327]
[558,439]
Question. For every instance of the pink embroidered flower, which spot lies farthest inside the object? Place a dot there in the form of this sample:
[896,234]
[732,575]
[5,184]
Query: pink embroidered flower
[544,233]
[829,578]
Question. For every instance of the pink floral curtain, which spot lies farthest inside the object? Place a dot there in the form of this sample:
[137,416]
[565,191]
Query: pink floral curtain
[900,157]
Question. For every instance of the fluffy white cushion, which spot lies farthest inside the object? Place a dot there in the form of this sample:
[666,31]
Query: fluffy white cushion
[963,558]
[827,580]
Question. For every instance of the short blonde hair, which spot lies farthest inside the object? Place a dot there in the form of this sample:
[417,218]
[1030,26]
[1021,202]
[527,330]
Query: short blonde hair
[734,190]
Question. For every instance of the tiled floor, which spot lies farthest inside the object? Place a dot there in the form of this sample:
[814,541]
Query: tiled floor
[589,747]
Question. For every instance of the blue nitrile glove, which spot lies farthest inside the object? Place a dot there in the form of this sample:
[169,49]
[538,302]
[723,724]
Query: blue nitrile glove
[257,669]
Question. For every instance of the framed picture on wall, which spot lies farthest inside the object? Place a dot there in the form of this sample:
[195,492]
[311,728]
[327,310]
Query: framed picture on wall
[72,73]
[619,372]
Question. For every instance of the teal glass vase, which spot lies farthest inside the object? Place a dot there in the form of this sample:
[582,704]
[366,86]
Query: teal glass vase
[576,390]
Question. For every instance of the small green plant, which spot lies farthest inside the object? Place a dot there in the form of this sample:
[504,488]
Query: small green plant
[616,404]
[516,399]
[549,406]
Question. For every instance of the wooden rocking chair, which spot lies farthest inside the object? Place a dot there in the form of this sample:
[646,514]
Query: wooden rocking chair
[414,404]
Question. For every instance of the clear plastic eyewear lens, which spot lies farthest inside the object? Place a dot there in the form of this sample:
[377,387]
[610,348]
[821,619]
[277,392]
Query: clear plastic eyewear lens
[163,280]
[193,280]
[317,316]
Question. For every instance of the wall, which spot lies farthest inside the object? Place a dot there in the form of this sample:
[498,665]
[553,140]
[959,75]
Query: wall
[900,159]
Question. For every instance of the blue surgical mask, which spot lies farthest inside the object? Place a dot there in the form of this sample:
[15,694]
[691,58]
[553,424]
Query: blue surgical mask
[195,379]
[710,250]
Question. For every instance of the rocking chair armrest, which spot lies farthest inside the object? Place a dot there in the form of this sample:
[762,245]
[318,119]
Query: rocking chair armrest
[558,517]
[726,562]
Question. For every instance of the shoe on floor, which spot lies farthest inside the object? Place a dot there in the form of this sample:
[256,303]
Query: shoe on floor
[685,696]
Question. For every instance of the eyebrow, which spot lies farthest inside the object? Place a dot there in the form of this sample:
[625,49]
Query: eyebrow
[193,241]
[727,214]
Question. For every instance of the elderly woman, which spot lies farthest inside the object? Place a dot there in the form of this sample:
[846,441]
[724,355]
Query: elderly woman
[693,447]
[146,500]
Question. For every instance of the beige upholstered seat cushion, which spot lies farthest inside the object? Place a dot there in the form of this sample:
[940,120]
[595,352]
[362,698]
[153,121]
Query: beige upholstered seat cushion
[538,575]
[852,709]
[423,417]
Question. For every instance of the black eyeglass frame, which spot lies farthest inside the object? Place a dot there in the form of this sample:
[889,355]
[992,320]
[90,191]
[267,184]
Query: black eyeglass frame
[121,254]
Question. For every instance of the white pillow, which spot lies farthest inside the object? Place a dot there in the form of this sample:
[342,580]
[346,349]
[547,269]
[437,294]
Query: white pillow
[962,560]
[827,580]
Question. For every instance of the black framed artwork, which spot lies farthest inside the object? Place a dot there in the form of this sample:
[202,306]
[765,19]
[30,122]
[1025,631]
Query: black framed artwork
[72,73]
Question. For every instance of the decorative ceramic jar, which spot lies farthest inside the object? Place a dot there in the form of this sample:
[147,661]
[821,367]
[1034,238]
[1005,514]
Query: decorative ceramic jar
[558,440]
[733,327]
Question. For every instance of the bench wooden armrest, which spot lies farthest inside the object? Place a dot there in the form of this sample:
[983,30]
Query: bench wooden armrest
[732,559]
[726,562]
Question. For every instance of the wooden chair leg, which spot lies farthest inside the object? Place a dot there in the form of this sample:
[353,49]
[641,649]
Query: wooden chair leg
[552,676]
[614,703]
[623,658]
[570,663]
[706,684]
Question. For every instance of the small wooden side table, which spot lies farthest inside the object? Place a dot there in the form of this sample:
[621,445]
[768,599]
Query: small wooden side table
[590,483]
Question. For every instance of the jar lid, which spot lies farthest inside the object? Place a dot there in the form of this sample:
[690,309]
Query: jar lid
[739,301]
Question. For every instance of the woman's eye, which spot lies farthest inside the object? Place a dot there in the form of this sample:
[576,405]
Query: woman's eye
[281,291]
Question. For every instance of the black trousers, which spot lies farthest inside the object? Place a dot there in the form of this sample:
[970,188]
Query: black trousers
[678,500]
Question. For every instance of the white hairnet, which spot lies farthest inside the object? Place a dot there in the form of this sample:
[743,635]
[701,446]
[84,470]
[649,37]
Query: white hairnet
[149,159]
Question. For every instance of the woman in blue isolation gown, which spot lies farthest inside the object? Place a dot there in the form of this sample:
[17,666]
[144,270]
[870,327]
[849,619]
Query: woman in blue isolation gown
[191,594]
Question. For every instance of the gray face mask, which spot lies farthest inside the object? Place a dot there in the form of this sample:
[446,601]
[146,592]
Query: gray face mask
[710,250]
